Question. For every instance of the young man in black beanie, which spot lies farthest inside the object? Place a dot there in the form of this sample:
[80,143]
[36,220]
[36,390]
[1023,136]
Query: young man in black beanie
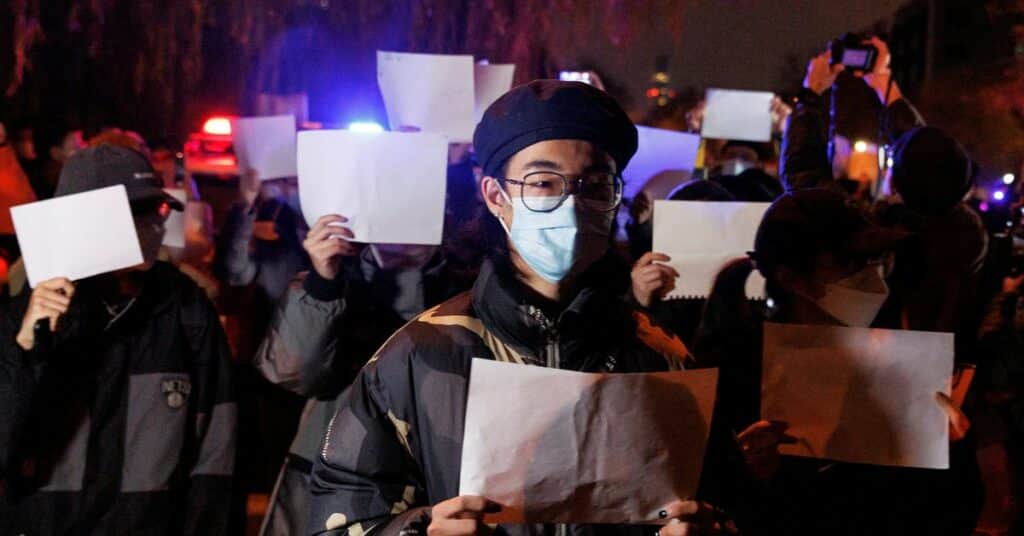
[552,153]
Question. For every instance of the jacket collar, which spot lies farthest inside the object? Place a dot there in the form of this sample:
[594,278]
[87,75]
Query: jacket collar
[597,315]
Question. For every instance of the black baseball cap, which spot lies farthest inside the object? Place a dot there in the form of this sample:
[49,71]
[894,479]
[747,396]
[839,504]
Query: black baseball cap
[106,165]
[803,223]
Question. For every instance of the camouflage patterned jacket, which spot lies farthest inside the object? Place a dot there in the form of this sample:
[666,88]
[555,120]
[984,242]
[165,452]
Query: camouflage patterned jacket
[394,446]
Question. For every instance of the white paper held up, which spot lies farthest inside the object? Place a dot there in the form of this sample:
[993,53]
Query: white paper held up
[701,237]
[659,150]
[390,185]
[737,115]
[432,92]
[266,145]
[592,448]
[859,395]
[77,236]
[174,227]
[491,80]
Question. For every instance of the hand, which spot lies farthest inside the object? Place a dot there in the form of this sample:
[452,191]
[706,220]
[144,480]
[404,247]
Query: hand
[821,75]
[959,424]
[50,299]
[780,112]
[760,446]
[878,78]
[326,244]
[1011,285]
[461,516]
[688,518]
[248,187]
[642,208]
[652,280]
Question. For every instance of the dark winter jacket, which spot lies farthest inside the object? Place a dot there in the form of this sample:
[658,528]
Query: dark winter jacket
[394,446]
[119,424]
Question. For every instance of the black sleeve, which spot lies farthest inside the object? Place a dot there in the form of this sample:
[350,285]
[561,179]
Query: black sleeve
[366,477]
[216,422]
[804,162]
[233,263]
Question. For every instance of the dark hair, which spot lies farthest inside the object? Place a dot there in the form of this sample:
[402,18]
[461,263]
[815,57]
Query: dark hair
[729,320]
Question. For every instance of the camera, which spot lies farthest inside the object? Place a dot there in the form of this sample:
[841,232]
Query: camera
[851,51]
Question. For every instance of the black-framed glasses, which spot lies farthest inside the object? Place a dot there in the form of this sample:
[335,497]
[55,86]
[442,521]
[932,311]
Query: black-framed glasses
[545,191]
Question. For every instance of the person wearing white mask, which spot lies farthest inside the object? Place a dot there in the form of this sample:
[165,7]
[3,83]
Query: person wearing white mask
[549,295]
[824,264]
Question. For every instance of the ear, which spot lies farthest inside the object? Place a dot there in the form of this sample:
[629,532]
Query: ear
[494,195]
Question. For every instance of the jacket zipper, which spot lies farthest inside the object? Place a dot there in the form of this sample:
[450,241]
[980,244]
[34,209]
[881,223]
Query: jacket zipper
[552,360]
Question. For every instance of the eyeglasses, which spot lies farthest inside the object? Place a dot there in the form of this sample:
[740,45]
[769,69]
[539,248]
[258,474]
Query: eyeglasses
[545,191]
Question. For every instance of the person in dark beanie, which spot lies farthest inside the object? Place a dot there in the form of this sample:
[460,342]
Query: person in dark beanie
[931,175]
[551,154]
[121,419]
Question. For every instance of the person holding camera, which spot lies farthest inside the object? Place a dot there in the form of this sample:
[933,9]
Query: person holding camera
[934,277]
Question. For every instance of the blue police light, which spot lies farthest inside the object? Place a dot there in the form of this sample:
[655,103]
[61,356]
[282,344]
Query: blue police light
[365,126]
[998,195]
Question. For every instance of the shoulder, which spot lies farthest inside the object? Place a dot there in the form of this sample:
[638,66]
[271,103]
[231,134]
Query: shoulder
[448,330]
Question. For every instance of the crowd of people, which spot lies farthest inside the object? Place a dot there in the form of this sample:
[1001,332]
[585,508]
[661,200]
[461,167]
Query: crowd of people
[266,357]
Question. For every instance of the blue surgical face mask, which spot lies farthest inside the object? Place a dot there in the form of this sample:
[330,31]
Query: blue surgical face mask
[556,243]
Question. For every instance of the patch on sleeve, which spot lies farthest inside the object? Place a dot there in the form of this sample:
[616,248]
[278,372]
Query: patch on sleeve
[336,521]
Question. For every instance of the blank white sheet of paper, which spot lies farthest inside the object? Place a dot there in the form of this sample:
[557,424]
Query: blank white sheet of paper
[701,237]
[859,395]
[491,80]
[432,92]
[174,227]
[556,446]
[659,150]
[737,115]
[266,145]
[390,185]
[77,236]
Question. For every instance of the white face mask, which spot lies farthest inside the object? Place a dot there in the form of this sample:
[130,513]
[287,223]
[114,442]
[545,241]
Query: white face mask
[735,166]
[856,300]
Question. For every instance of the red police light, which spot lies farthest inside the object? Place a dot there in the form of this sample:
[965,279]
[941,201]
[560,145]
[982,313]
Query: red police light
[219,126]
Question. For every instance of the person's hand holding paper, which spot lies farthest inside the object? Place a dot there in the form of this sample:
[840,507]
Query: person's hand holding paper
[592,448]
[77,236]
[389,186]
[700,237]
[859,395]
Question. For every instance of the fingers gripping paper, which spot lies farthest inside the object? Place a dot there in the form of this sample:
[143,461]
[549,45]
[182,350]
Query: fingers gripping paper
[555,446]
[432,92]
[390,185]
[77,236]
[265,144]
[737,115]
[859,395]
[701,237]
